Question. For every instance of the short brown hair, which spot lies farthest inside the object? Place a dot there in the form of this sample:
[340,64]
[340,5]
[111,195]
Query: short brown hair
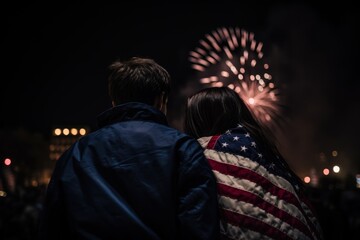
[137,80]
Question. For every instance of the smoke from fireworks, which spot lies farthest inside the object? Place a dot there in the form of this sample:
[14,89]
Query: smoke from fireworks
[232,57]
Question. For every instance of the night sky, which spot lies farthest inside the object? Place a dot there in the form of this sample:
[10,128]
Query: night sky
[55,58]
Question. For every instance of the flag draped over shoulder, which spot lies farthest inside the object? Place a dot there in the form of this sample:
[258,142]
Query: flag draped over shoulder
[259,198]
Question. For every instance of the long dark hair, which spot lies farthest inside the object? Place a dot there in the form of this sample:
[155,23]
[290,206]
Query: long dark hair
[212,111]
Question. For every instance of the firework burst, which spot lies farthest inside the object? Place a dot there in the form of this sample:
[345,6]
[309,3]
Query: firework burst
[232,57]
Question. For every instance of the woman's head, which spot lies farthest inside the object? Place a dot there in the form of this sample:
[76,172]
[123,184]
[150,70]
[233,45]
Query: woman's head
[214,110]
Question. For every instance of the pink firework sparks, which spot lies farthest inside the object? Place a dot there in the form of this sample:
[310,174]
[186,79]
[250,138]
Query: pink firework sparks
[232,57]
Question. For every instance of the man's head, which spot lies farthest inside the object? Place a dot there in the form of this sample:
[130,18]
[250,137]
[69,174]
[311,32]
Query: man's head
[139,80]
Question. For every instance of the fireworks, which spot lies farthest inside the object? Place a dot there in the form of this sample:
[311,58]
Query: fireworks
[232,57]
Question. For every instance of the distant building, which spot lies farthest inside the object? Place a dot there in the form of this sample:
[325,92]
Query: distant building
[62,138]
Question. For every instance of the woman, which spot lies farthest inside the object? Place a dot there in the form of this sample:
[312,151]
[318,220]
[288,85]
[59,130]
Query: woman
[259,196]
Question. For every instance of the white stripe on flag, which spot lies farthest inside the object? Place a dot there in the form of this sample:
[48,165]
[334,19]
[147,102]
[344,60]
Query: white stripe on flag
[259,214]
[252,187]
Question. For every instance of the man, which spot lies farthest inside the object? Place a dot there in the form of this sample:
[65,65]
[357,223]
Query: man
[135,177]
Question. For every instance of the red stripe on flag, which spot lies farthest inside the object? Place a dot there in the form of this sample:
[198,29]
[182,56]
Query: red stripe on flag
[257,201]
[243,173]
[212,142]
[253,224]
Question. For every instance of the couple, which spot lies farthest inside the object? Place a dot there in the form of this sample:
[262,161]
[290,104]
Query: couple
[137,178]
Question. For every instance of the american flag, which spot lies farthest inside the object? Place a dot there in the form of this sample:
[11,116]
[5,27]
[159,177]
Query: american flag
[259,198]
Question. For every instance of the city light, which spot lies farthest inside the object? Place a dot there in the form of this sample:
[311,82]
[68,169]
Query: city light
[336,169]
[74,131]
[57,131]
[66,131]
[69,131]
[62,138]
[2,194]
[358,180]
[7,161]
[307,179]
[326,171]
[334,153]
[34,183]
[82,131]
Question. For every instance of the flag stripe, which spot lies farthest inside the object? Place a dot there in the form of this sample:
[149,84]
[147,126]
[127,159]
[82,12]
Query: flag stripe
[244,173]
[213,141]
[253,224]
[252,211]
[238,160]
[257,201]
[254,188]
[256,195]
[250,175]
[204,141]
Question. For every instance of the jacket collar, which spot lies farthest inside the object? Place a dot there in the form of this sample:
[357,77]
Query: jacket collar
[131,111]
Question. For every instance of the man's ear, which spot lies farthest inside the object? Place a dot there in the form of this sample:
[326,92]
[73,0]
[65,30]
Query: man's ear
[161,103]
[113,103]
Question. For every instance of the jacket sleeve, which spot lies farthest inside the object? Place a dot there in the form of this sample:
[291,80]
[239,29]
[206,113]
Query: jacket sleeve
[198,205]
